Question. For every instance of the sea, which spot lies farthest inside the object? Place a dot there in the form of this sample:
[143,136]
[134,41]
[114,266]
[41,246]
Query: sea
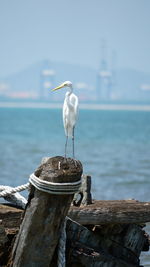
[113,146]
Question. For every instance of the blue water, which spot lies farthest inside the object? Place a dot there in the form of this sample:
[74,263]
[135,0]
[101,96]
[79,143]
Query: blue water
[113,146]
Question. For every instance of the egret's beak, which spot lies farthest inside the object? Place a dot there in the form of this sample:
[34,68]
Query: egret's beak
[58,87]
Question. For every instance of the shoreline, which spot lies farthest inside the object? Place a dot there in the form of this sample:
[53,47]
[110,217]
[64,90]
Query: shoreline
[128,107]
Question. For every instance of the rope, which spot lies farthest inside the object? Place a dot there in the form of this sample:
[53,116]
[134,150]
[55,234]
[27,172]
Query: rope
[11,194]
[7,190]
[54,188]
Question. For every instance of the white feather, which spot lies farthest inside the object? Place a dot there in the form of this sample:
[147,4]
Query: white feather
[70,112]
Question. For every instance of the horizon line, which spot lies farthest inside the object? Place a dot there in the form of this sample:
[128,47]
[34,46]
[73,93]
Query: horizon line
[42,105]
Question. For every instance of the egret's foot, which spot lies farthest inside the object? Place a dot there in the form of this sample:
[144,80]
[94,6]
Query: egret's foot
[65,163]
[75,162]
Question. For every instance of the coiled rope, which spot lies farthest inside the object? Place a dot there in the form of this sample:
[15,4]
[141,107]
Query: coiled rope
[54,188]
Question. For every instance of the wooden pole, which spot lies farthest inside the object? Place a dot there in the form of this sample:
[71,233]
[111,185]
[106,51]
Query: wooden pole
[40,229]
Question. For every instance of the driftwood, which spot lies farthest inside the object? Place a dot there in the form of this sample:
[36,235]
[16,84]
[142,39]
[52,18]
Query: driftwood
[44,215]
[100,212]
[117,211]
[104,244]
[111,245]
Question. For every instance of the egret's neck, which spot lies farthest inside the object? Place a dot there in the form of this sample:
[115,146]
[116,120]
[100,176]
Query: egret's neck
[68,93]
[70,90]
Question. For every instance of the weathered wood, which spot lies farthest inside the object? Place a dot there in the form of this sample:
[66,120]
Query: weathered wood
[117,211]
[3,236]
[118,243]
[112,244]
[83,197]
[134,239]
[10,216]
[3,243]
[104,246]
[100,212]
[40,230]
[84,256]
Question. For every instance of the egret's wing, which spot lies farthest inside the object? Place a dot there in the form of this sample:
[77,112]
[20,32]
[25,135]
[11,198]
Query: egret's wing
[70,112]
[65,117]
[65,113]
[75,104]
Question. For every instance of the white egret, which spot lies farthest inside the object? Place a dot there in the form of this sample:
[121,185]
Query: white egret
[70,112]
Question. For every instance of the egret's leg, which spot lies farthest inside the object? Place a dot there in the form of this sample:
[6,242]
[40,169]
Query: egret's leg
[66,146]
[73,143]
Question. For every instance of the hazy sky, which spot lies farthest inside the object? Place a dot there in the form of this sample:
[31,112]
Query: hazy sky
[72,30]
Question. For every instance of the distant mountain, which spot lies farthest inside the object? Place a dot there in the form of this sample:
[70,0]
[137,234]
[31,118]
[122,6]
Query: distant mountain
[37,79]
[133,85]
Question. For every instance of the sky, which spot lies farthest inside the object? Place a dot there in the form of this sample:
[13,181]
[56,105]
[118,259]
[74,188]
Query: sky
[72,31]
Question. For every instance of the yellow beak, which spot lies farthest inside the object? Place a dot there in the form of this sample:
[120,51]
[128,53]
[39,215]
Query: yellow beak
[58,87]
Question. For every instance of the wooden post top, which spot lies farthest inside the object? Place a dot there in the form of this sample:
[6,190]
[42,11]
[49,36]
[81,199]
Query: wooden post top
[59,170]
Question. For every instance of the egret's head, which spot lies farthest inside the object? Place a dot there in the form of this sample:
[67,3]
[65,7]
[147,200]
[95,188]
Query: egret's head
[65,84]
